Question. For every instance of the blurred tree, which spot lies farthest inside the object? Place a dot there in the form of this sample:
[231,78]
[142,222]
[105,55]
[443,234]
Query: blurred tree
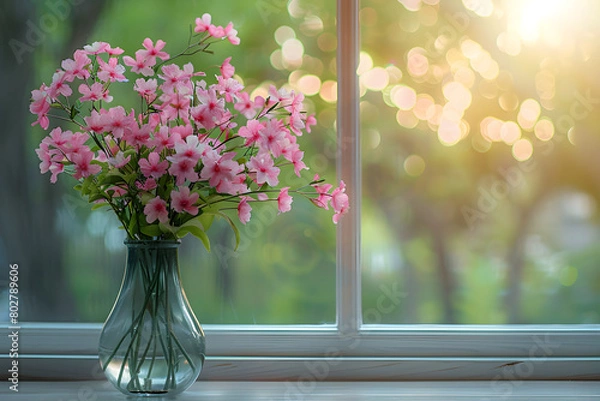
[29,203]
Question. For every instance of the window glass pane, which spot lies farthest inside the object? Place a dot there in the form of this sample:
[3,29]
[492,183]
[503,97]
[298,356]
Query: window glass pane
[480,161]
[71,259]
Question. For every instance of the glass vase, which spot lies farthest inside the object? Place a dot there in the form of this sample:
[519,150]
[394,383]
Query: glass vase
[151,343]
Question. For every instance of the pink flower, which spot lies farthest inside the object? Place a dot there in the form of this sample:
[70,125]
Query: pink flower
[153,51]
[162,140]
[138,136]
[202,24]
[244,209]
[184,201]
[148,185]
[216,32]
[272,137]
[191,150]
[40,106]
[95,121]
[119,160]
[262,164]
[281,95]
[77,68]
[182,131]
[310,120]
[94,93]
[339,202]
[184,169]
[246,106]
[102,47]
[118,122]
[141,64]
[111,71]
[75,144]
[156,209]
[228,86]
[251,131]
[83,166]
[299,165]
[284,200]
[323,197]
[56,169]
[221,172]
[175,105]
[153,167]
[232,34]
[59,86]
[146,89]
[177,79]
[227,70]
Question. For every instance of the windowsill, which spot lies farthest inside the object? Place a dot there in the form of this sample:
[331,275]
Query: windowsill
[323,391]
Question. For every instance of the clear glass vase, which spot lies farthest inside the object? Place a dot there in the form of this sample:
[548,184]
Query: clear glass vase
[151,343]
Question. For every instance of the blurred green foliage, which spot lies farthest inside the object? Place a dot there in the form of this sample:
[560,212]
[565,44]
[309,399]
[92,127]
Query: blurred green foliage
[510,264]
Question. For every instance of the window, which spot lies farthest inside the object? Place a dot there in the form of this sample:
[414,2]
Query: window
[342,347]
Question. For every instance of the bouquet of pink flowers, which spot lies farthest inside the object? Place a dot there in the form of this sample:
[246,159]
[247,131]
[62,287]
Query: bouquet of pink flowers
[194,150]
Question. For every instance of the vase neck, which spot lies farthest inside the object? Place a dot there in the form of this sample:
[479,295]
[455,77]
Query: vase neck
[146,258]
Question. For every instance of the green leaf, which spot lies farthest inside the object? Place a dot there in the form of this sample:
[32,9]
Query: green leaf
[97,206]
[111,179]
[131,178]
[236,231]
[151,230]
[95,195]
[206,219]
[196,232]
[133,226]
[74,112]
[167,228]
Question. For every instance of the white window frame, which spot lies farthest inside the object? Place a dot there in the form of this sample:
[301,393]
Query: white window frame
[346,350]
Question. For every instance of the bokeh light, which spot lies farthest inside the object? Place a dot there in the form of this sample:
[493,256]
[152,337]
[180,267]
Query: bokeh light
[284,33]
[375,79]
[414,165]
[329,91]
[509,43]
[483,8]
[404,97]
[544,129]
[411,5]
[510,132]
[292,51]
[522,149]
[417,63]
[309,84]
[406,119]
[365,63]
[528,114]
[457,94]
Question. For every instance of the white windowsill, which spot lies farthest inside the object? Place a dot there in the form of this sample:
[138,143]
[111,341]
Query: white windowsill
[324,391]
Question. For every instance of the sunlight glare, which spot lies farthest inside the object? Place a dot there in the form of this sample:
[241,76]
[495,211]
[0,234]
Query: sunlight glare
[534,14]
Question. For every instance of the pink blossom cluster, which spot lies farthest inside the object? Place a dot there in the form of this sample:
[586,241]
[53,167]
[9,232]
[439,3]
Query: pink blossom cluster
[194,148]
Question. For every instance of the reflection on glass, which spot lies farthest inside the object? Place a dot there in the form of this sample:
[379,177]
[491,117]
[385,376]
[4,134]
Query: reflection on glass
[480,167]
